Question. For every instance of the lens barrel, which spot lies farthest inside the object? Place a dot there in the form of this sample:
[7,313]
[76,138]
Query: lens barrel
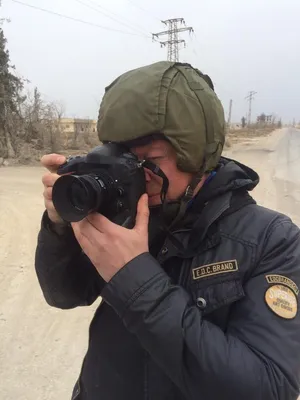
[74,197]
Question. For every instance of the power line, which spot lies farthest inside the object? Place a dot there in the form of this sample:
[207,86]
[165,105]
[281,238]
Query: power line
[145,11]
[173,39]
[107,15]
[74,19]
[250,97]
[113,13]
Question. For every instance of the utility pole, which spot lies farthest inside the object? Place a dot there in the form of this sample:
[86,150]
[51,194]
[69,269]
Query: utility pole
[250,97]
[229,114]
[173,37]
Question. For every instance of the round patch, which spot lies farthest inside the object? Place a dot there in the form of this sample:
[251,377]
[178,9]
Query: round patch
[282,301]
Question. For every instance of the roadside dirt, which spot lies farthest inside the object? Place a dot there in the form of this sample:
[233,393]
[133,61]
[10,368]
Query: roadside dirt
[276,158]
[41,348]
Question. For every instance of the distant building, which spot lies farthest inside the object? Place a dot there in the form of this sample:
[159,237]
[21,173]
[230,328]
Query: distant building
[77,125]
[77,130]
[269,119]
[265,119]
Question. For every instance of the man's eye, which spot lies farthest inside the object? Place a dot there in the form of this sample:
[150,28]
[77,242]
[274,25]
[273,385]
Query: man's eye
[154,158]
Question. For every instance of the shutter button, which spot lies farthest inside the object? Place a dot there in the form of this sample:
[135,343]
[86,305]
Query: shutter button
[201,303]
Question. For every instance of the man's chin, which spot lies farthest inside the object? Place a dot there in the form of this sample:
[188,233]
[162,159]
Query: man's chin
[154,200]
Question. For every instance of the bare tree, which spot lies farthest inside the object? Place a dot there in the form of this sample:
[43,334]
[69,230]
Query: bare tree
[11,97]
[42,122]
[52,128]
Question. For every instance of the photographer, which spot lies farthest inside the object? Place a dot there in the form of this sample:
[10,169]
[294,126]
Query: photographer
[200,297]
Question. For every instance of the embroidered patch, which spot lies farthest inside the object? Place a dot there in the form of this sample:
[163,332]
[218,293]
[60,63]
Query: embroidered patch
[221,267]
[283,280]
[282,301]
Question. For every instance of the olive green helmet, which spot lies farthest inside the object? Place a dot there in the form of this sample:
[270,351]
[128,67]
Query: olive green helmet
[173,99]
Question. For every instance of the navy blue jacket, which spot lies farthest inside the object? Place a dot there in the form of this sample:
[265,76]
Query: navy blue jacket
[213,319]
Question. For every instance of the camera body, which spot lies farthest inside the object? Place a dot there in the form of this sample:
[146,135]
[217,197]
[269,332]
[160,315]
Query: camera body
[109,180]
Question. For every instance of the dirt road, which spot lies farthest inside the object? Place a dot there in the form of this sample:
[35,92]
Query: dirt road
[41,348]
[277,160]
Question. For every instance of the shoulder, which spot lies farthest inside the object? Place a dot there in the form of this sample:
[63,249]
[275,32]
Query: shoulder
[266,241]
[257,224]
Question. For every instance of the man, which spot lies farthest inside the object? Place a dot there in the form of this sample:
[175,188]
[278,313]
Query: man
[200,298]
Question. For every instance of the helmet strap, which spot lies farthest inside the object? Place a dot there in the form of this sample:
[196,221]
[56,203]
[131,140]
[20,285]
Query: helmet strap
[157,171]
[186,198]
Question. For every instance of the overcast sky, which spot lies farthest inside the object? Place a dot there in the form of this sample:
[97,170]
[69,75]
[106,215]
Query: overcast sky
[242,44]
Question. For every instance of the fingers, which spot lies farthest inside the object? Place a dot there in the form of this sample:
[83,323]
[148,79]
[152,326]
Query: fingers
[104,225]
[142,215]
[82,239]
[52,161]
[49,179]
[101,223]
[51,209]
[48,193]
[85,231]
[48,199]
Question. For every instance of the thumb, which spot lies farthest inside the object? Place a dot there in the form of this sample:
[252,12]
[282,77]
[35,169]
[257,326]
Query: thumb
[142,215]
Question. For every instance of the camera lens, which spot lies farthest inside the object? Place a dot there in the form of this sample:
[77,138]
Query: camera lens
[74,197]
[78,194]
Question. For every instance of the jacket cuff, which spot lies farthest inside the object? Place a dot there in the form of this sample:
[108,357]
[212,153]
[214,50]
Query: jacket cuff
[131,282]
[57,229]
[54,239]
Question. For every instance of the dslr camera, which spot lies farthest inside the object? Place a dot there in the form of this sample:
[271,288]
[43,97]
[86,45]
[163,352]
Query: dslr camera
[108,180]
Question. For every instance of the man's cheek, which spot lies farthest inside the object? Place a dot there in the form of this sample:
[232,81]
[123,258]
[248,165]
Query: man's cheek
[154,201]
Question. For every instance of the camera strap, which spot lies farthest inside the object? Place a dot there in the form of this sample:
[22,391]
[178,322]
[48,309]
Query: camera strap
[157,171]
[182,202]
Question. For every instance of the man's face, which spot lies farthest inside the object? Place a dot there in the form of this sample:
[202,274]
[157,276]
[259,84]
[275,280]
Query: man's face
[162,153]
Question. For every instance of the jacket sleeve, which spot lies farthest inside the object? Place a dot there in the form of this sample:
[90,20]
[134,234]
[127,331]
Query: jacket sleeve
[256,358]
[66,276]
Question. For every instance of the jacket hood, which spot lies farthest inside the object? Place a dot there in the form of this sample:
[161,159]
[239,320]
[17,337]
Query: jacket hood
[231,175]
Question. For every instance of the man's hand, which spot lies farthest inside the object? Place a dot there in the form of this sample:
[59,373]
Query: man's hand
[110,246]
[51,162]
